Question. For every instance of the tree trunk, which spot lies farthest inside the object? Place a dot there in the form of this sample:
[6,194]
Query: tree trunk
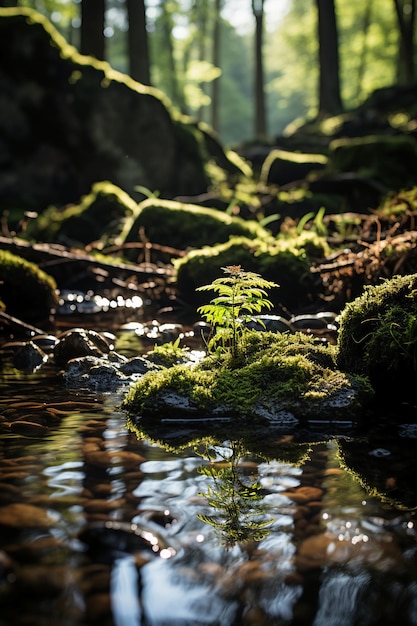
[406,15]
[175,91]
[330,102]
[367,20]
[215,88]
[92,28]
[260,112]
[139,64]
[202,23]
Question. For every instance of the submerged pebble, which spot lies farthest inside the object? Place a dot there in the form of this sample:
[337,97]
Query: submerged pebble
[19,515]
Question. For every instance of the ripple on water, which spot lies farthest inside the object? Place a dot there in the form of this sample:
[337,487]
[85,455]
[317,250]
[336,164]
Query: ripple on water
[66,478]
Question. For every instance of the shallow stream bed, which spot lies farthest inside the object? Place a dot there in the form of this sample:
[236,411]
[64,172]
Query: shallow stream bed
[99,525]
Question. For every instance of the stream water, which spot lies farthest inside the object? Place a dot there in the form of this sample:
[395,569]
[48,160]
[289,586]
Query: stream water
[102,525]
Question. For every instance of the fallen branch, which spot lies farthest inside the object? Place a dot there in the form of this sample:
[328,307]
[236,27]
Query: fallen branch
[14,322]
[63,264]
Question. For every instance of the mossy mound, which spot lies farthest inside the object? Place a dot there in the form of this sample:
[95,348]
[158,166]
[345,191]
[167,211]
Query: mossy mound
[283,379]
[282,167]
[26,291]
[104,214]
[378,337]
[391,160]
[182,226]
[286,261]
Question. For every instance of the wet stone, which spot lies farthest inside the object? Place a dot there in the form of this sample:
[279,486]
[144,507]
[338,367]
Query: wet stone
[46,343]
[94,373]
[92,427]
[105,458]
[46,580]
[13,475]
[28,357]
[9,491]
[137,365]
[78,342]
[305,494]
[98,458]
[28,429]
[35,549]
[18,515]
[272,323]
[103,506]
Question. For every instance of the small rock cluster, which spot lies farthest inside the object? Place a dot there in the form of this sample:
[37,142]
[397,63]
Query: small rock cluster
[87,357]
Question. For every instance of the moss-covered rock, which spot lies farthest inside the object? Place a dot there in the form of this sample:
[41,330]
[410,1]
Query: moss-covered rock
[285,378]
[282,167]
[26,291]
[70,120]
[182,226]
[389,159]
[286,261]
[378,337]
[104,214]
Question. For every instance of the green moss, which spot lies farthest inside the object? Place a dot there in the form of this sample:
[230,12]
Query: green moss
[399,206]
[391,160]
[179,379]
[26,290]
[281,372]
[281,167]
[105,214]
[168,354]
[68,51]
[283,260]
[182,226]
[378,335]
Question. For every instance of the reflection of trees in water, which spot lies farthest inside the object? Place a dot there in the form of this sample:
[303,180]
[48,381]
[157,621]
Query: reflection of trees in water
[237,500]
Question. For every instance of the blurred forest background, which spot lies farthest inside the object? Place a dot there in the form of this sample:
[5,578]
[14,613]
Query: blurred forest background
[249,68]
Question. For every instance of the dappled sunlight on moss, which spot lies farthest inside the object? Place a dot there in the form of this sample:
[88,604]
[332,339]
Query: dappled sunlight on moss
[378,335]
[284,260]
[280,371]
[182,225]
[105,214]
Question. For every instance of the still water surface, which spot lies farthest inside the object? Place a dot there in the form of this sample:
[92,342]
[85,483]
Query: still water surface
[115,529]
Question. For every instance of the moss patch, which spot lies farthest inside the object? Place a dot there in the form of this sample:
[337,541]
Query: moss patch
[26,291]
[104,214]
[286,261]
[280,374]
[182,226]
[282,167]
[391,160]
[378,336]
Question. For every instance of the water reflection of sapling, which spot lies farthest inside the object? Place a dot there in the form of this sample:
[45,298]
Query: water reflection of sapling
[239,515]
